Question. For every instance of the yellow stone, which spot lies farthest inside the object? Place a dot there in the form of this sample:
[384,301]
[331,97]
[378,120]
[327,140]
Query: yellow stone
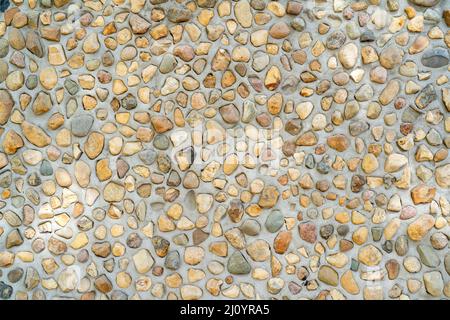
[80,241]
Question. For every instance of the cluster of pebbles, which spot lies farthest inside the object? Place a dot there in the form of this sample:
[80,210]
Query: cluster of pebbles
[193,149]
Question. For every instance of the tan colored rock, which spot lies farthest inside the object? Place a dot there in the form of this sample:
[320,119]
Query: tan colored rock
[243,14]
[94,145]
[6,105]
[56,55]
[269,197]
[143,261]
[35,134]
[348,55]
[113,192]
[418,229]
[370,255]
[91,43]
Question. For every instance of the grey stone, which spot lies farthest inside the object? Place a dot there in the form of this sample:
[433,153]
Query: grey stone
[238,264]
[81,125]
[274,221]
[435,58]
[5,291]
[250,227]
[161,142]
[426,96]
[428,256]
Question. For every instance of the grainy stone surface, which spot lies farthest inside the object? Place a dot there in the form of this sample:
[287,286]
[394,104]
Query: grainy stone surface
[194,149]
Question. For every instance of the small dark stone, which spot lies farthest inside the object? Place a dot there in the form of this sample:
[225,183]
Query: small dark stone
[134,240]
[174,179]
[119,295]
[410,115]
[172,260]
[32,81]
[342,230]
[323,167]
[274,221]
[336,40]
[81,125]
[388,246]
[179,13]
[426,96]
[393,269]
[129,102]
[326,231]
[428,256]
[250,227]
[83,256]
[354,265]
[4,4]
[358,181]
[367,36]
[298,24]
[238,264]
[147,156]
[46,168]
[161,142]
[71,86]
[293,127]
[258,4]
[5,291]
[161,246]
[358,127]
[435,58]
[15,275]
[198,236]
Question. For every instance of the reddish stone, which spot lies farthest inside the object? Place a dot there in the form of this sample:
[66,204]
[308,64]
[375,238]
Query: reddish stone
[308,232]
